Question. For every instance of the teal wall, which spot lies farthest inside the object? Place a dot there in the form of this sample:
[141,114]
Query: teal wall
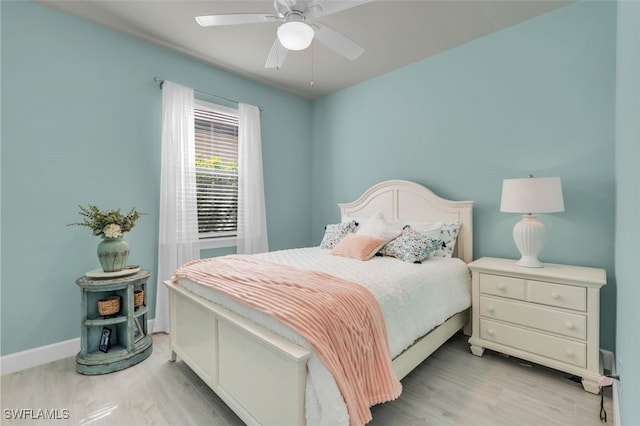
[81,123]
[538,97]
[628,210]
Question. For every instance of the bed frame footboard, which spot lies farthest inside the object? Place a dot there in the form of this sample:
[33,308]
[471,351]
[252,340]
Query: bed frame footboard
[258,374]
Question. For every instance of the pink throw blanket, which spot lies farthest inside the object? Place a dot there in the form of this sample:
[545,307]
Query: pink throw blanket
[341,320]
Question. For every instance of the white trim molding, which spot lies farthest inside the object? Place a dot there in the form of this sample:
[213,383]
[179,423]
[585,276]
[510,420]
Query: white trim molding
[214,243]
[42,355]
[609,365]
[37,356]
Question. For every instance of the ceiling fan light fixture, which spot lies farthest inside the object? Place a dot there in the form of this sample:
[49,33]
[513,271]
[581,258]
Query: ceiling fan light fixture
[295,35]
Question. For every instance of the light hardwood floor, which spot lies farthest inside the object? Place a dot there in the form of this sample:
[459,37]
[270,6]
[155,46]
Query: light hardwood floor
[452,387]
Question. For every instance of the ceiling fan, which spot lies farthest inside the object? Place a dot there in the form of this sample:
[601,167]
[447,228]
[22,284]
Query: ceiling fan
[298,28]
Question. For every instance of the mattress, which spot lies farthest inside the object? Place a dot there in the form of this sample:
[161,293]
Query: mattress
[414,298]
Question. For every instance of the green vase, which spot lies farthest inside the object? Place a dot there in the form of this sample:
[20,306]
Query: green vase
[113,254]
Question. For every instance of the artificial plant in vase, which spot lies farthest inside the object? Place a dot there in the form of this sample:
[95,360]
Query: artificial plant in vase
[111,225]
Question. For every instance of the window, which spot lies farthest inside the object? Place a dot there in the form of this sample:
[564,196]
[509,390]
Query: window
[216,146]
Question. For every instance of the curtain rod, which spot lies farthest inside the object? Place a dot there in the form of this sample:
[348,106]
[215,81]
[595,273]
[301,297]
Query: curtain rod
[161,82]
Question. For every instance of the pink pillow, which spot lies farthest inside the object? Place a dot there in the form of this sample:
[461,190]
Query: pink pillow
[356,246]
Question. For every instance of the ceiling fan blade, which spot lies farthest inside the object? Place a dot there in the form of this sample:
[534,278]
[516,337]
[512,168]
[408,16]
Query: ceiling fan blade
[276,55]
[337,42]
[322,8]
[235,19]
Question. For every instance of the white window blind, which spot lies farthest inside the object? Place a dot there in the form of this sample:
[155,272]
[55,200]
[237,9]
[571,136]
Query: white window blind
[216,145]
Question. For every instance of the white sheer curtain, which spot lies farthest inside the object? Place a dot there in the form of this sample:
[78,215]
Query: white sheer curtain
[178,233]
[252,217]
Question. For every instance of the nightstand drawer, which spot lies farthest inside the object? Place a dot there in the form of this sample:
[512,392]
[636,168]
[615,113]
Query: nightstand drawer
[534,316]
[567,351]
[563,296]
[512,288]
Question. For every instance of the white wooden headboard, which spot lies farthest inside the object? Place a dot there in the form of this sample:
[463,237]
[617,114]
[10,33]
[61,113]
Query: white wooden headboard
[404,200]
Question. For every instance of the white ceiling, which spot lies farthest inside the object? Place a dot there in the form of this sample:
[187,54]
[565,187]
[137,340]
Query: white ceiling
[394,33]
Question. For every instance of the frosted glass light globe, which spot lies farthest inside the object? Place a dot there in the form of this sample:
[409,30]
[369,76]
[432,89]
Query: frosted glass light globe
[295,35]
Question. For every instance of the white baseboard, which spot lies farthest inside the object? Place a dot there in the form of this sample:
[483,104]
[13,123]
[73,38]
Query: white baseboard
[38,356]
[609,364]
[616,404]
[42,355]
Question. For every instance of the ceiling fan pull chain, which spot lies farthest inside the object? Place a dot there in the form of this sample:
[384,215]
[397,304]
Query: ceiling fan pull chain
[312,83]
[278,60]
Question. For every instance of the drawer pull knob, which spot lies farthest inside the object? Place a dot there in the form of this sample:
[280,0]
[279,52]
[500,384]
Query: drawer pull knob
[491,332]
[501,286]
[491,309]
[555,295]
[569,353]
[570,325]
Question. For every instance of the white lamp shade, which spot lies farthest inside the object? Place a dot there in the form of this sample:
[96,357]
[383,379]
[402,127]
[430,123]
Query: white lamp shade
[532,195]
[295,35]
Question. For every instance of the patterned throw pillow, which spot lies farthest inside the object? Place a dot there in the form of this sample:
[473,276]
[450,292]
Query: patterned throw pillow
[334,233]
[448,235]
[410,246]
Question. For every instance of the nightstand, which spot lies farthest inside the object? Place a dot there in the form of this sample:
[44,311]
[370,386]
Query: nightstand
[126,341]
[549,316]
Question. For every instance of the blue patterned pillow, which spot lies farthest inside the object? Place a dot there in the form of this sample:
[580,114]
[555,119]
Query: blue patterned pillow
[334,233]
[410,246]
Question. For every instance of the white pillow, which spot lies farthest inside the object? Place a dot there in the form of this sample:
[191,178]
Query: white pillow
[428,229]
[376,226]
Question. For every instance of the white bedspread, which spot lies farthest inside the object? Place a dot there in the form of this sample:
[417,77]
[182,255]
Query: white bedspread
[415,298]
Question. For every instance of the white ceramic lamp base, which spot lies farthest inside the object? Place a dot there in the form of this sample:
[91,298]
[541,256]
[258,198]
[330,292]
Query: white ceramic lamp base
[529,235]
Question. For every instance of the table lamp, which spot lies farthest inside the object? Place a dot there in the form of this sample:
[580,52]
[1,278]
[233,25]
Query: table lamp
[529,196]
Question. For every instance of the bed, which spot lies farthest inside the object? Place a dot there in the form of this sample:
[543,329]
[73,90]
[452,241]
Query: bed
[268,376]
